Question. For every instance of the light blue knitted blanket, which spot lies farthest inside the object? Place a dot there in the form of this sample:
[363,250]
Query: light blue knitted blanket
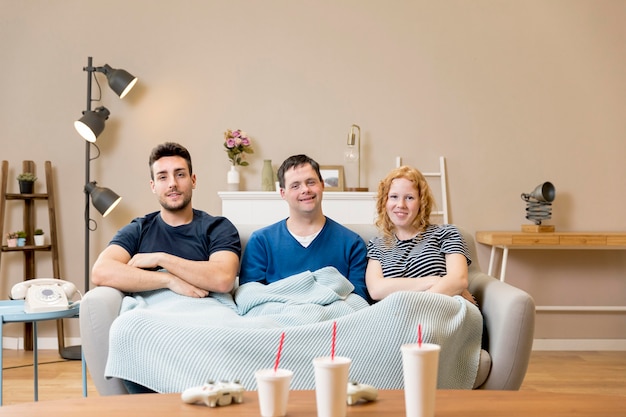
[169,342]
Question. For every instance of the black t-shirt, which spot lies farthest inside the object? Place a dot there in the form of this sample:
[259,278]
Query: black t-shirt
[194,241]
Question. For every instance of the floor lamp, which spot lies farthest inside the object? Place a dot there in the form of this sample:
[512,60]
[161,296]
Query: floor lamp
[90,126]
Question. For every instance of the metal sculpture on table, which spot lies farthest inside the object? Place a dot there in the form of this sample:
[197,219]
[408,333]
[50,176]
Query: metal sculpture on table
[539,203]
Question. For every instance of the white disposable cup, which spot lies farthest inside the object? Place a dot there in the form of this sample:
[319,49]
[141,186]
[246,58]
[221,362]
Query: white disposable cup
[419,366]
[331,385]
[273,390]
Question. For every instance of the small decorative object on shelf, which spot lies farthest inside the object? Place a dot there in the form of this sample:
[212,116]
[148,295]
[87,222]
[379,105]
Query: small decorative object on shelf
[27,182]
[268,182]
[333,177]
[39,238]
[236,144]
[12,239]
[21,238]
[232,179]
[353,154]
[539,207]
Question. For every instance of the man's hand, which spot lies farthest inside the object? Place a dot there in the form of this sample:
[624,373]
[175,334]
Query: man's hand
[145,260]
[182,287]
[176,284]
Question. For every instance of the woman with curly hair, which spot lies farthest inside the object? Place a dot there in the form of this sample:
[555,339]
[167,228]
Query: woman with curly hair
[412,254]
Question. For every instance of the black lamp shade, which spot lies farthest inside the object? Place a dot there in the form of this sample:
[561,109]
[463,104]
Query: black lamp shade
[92,123]
[103,199]
[120,81]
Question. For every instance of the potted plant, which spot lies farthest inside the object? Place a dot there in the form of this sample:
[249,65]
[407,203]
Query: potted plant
[39,239]
[236,144]
[21,238]
[12,239]
[27,182]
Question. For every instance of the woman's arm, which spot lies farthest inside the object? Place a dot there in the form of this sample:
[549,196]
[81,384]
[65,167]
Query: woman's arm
[379,287]
[455,281]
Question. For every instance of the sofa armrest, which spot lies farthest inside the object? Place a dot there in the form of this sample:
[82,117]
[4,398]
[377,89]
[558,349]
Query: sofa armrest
[509,315]
[98,308]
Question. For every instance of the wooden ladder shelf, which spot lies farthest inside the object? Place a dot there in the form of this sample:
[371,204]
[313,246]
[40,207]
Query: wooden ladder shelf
[30,249]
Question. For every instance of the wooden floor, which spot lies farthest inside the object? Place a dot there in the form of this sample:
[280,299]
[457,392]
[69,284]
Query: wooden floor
[567,372]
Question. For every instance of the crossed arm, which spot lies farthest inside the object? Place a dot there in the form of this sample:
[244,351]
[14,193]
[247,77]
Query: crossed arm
[453,283]
[116,268]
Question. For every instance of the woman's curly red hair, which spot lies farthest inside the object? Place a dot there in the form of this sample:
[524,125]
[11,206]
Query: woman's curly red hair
[427,201]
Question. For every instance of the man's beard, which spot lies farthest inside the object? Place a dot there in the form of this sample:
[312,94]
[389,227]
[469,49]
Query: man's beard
[174,208]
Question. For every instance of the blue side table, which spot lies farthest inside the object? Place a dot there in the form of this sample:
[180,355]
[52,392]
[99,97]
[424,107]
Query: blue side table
[12,311]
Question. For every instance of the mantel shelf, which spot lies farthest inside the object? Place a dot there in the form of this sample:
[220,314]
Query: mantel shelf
[266,207]
[275,195]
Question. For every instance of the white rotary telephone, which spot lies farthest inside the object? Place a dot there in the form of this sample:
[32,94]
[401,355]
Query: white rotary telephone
[44,294]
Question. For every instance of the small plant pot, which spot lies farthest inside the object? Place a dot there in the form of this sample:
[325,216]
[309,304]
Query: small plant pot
[21,241]
[26,187]
[39,240]
[11,243]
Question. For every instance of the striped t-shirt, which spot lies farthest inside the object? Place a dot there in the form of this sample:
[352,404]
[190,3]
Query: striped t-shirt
[422,256]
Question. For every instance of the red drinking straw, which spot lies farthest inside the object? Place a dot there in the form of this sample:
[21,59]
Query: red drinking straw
[334,341]
[419,335]
[280,349]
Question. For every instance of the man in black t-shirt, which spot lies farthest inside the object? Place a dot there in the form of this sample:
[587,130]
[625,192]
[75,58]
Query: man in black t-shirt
[178,247]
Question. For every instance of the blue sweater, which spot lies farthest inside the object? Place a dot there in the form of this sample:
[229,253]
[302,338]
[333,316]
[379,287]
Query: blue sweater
[272,253]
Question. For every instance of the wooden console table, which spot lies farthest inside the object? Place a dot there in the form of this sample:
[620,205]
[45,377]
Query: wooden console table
[551,241]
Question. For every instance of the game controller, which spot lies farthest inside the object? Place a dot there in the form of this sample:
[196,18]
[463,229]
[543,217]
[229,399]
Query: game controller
[213,394]
[358,392]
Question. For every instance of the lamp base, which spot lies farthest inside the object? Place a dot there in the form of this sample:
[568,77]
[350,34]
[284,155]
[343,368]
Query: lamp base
[360,189]
[537,228]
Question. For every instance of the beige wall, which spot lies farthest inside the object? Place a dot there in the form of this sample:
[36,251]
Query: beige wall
[513,93]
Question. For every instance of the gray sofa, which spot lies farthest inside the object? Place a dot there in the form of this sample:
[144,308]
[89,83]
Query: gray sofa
[509,315]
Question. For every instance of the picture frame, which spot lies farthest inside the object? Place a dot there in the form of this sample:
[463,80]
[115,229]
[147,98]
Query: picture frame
[333,177]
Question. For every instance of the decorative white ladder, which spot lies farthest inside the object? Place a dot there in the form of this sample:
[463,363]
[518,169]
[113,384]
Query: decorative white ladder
[443,197]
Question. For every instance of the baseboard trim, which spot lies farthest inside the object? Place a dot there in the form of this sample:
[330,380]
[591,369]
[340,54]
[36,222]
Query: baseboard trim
[17,343]
[579,344]
[46,343]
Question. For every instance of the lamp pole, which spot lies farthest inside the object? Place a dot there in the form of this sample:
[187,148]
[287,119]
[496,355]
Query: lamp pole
[75,352]
[89,70]
[89,127]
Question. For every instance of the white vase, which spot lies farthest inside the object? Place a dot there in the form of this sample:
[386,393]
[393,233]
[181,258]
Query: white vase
[39,240]
[232,179]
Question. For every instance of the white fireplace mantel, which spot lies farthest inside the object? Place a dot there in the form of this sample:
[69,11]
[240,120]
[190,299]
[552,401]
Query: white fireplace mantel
[266,207]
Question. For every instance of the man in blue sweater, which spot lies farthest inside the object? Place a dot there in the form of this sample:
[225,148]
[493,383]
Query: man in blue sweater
[307,240]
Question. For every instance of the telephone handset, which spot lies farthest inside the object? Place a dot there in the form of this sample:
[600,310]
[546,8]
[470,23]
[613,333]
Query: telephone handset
[44,294]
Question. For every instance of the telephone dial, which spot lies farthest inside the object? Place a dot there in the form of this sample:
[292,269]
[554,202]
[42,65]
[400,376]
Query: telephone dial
[44,294]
